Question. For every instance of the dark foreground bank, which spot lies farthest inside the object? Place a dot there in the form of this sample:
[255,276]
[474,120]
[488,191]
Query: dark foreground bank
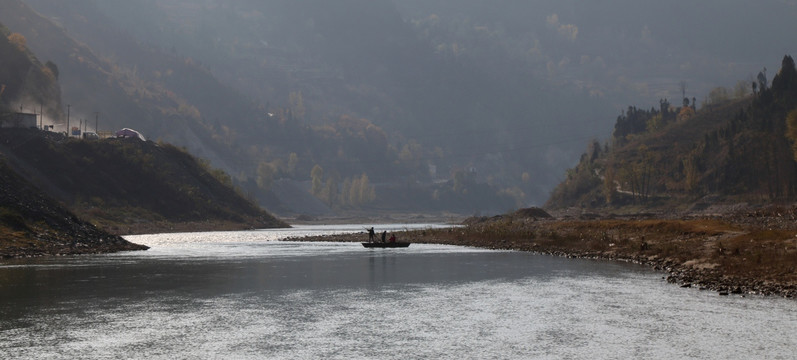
[32,224]
[745,252]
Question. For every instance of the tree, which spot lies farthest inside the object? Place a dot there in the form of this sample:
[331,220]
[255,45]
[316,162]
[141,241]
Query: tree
[686,113]
[293,162]
[691,171]
[265,175]
[655,123]
[317,175]
[53,68]
[786,80]
[18,40]
[330,194]
[345,192]
[367,193]
[718,95]
[791,134]
[609,183]
[762,80]
[639,174]
[741,89]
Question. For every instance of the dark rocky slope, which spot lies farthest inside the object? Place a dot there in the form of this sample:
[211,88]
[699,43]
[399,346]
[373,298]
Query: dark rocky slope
[32,224]
[131,186]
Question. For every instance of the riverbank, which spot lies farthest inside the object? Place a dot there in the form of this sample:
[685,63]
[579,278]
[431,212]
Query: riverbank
[751,251]
[33,224]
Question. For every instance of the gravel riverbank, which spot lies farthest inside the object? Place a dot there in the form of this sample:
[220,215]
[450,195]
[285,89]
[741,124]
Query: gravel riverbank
[744,252]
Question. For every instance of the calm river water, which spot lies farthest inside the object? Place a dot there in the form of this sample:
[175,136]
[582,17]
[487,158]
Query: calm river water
[251,295]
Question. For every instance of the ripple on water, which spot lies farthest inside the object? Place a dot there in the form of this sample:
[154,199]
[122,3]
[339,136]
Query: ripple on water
[277,299]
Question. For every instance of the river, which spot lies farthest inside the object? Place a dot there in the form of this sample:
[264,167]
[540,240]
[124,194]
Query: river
[249,294]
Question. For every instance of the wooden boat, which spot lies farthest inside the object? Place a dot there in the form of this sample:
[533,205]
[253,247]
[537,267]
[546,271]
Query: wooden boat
[397,244]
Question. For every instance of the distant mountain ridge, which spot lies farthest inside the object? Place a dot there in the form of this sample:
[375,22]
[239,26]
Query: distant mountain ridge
[403,91]
[318,62]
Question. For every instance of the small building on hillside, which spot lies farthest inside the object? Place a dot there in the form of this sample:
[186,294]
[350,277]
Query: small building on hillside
[19,120]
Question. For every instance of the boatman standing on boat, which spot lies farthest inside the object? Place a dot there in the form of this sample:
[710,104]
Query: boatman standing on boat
[371,234]
[384,234]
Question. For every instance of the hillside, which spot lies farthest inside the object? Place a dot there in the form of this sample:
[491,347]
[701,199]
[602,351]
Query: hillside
[33,224]
[24,81]
[678,158]
[128,186]
[314,67]
[403,92]
[50,185]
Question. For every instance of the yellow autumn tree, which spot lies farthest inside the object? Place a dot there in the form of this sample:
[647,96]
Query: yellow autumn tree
[686,113]
[18,40]
[791,133]
[367,192]
[317,176]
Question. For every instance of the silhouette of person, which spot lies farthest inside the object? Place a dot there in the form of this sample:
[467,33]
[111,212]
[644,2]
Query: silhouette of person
[371,234]
[384,234]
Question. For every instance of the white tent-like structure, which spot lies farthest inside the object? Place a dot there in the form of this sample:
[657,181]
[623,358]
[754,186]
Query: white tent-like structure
[130,133]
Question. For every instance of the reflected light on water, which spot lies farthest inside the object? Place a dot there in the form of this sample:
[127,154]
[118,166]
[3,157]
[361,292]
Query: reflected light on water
[252,295]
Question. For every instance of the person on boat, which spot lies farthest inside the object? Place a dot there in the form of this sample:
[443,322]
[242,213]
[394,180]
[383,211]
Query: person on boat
[371,234]
[384,235]
[392,238]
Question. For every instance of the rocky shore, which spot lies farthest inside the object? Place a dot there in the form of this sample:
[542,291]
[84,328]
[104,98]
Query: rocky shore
[32,224]
[102,246]
[744,251]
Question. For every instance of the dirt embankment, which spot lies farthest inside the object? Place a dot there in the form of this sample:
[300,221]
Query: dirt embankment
[746,251]
[32,224]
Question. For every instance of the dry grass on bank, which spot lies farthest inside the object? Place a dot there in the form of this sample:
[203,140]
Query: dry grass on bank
[701,250]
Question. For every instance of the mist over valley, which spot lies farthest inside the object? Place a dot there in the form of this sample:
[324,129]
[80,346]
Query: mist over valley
[321,108]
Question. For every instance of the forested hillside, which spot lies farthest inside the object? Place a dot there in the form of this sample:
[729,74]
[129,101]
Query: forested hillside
[425,95]
[316,75]
[726,151]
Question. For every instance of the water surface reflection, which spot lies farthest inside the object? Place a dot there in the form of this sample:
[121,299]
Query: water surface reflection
[248,295]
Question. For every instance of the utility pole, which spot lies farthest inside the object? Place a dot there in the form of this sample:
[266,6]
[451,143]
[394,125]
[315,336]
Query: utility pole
[67,119]
[97,122]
